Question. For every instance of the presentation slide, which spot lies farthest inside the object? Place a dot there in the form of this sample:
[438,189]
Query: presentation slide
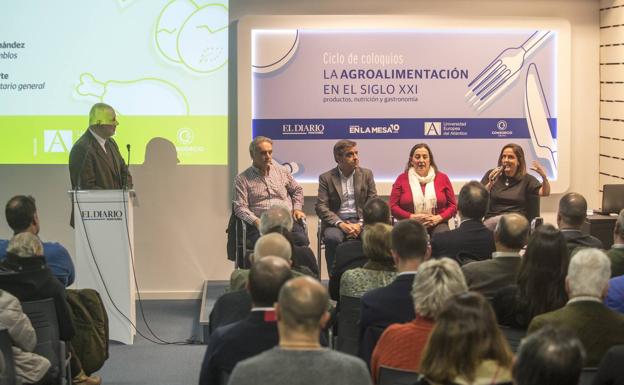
[162,65]
[464,92]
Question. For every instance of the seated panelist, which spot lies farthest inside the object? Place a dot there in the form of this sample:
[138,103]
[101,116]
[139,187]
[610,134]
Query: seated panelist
[423,193]
[342,193]
[264,184]
[510,185]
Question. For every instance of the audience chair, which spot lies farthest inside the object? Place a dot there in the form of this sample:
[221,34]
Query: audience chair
[42,315]
[7,366]
[533,207]
[513,336]
[587,376]
[348,320]
[393,376]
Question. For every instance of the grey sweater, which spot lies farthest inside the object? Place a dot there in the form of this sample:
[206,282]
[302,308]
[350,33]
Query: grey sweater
[301,367]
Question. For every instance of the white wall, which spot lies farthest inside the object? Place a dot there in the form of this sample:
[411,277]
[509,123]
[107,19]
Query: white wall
[180,239]
[611,92]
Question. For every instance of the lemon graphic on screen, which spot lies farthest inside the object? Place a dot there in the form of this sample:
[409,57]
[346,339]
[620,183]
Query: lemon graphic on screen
[168,27]
[203,39]
[195,36]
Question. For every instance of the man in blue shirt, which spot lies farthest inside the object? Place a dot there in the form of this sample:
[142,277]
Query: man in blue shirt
[21,216]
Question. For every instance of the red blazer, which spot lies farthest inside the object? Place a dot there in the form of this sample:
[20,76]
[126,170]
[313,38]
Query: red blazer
[402,201]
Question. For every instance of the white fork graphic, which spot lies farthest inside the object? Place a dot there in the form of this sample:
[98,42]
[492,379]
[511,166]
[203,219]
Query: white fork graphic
[501,72]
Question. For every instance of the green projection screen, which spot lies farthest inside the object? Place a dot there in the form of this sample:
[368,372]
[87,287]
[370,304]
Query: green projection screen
[161,64]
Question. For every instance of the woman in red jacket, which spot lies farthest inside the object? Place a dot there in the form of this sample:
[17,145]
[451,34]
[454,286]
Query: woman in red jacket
[423,193]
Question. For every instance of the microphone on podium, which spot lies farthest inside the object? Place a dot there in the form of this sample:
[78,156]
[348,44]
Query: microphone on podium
[125,184]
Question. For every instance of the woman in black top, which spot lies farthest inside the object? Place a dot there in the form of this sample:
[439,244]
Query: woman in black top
[510,186]
[540,283]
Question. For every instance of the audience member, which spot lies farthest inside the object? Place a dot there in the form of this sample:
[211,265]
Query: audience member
[350,254]
[299,359]
[615,294]
[258,332]
[277,219]
[466,346]
[510,236]
[27,277]
[549,356]
[401,345]
[597,326]
[611,370]
[394,303]
[30,368]
[21,216]
[273,244]
[379,271]
[342,193]
[570,217]
[471,240]
[616,253]
[540,284]
[264,184]
[236,304]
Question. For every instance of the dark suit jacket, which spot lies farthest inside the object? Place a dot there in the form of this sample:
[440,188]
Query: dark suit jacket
[488,277]
[229,308]
[611,370]
[390,304]
[349,255]
[330,193]
[231,344]
[598,327]
[386,305]
[94,169]
[575,238]
[470,237]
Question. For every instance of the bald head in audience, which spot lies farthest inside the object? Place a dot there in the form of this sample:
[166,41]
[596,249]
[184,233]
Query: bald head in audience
[572,211]
[273,244]
[266,278]
[511,233]
[549,356]
[302,310]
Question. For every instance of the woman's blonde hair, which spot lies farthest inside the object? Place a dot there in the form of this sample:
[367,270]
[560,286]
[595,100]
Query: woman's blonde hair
[436,281]
[376,241]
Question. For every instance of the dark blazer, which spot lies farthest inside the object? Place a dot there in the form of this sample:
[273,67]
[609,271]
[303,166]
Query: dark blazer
[576,238]
[387,305]
[598,327]
[489,276]
[330,193]
[95,169]
[29,279]
[229,308]
[233,343]
[349,255]
[470,237]
[611,370]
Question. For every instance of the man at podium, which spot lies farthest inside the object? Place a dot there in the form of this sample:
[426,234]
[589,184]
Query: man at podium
[94,160]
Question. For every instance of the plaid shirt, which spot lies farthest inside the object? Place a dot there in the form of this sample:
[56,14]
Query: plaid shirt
[256,193]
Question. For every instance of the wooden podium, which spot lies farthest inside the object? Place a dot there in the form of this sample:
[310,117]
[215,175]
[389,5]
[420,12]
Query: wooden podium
[104,236]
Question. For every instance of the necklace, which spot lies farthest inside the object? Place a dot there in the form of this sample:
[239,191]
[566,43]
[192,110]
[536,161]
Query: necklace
[506,181]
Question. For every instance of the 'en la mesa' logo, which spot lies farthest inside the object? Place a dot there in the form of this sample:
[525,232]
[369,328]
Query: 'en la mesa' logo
[57,140]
